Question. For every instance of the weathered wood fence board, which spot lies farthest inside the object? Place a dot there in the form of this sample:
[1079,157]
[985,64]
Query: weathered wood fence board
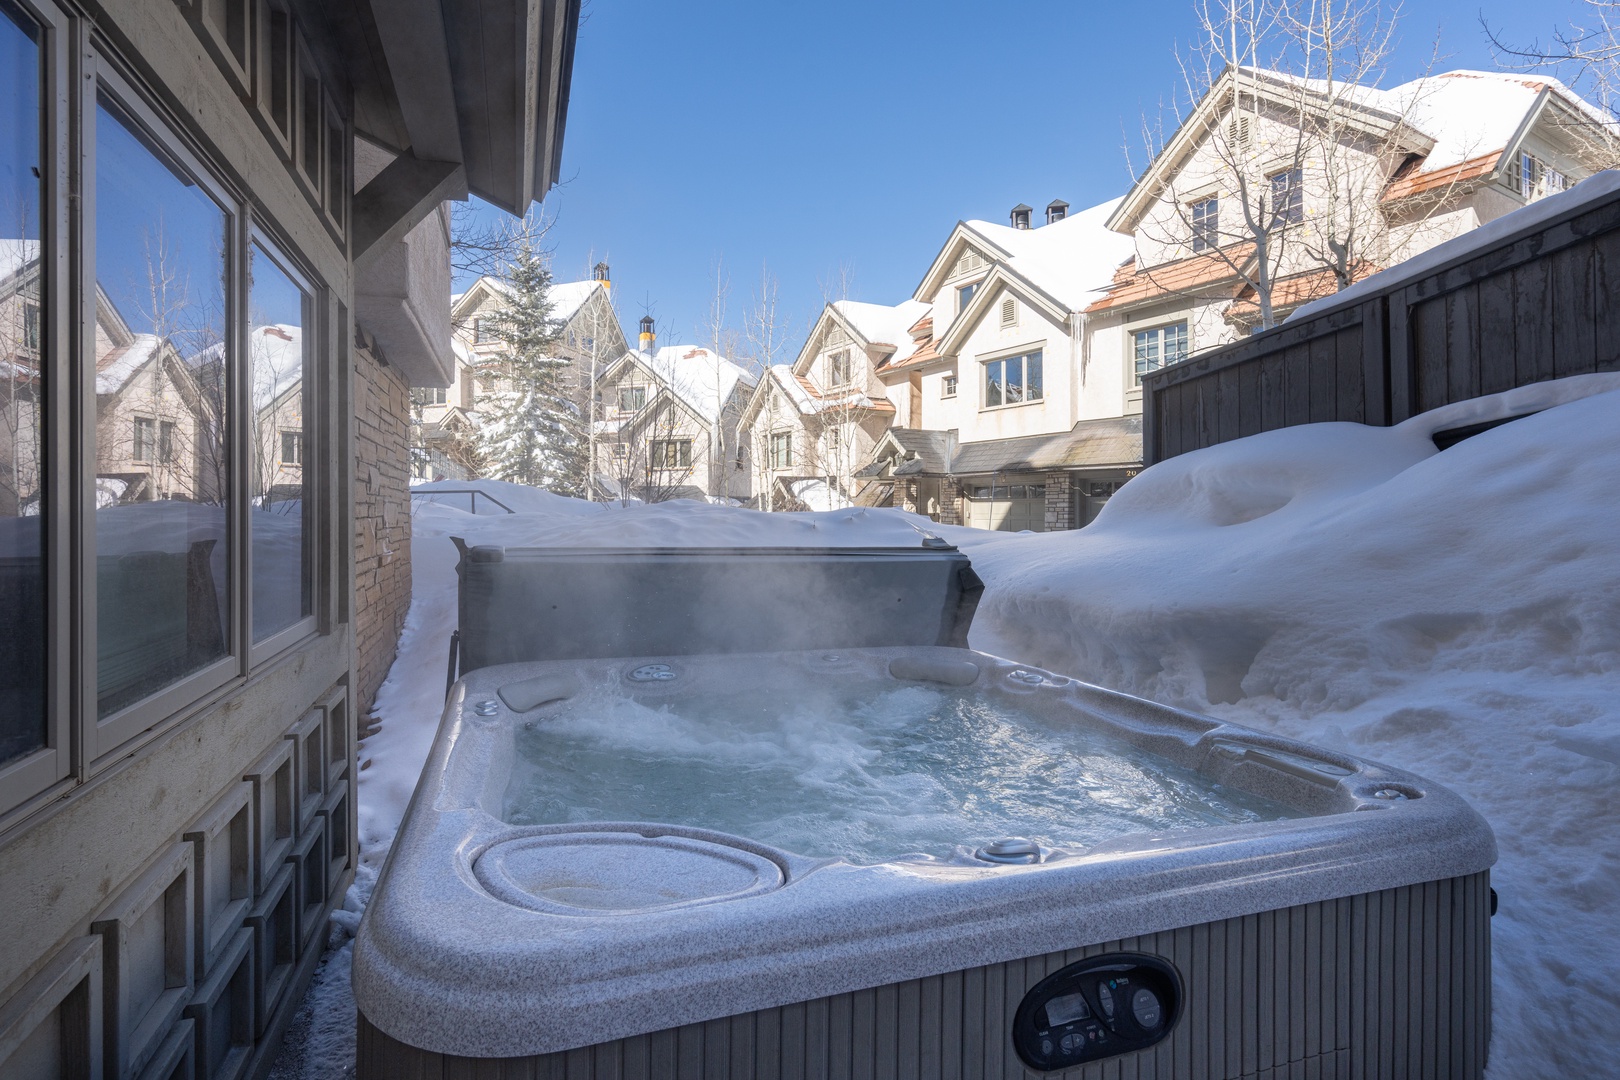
[1537,304]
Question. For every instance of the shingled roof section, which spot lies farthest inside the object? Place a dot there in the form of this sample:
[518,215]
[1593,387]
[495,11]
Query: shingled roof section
[1090,444]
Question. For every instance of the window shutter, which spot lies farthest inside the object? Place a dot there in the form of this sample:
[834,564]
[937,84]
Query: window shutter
[969,261]
[1237,133]
[1009,312]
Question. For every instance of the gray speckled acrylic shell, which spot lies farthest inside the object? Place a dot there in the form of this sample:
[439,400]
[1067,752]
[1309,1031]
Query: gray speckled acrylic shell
[442,964]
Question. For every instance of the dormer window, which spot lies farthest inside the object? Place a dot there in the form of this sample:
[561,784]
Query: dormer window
[1537,180]
[632,398]
[838,368]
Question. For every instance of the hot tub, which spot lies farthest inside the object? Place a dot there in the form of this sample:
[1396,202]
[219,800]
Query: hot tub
[1167,894]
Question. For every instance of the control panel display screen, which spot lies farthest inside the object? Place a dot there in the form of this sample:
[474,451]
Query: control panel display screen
[1066,1009]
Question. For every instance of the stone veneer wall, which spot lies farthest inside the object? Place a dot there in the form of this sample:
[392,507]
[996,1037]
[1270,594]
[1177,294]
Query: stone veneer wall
[1059,502]
[950,502]
[382,515]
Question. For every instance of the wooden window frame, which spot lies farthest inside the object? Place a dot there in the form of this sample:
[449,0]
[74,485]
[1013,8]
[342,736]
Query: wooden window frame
[80,744]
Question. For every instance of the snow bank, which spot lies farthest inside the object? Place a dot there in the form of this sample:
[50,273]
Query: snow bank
[1454,613]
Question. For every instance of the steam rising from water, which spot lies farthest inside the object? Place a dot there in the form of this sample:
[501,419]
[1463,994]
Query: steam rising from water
[869,773]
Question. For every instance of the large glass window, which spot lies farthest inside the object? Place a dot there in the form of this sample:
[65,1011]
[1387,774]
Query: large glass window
[1013,380]
[1157,347]
[161,354]
[23,722]
[280,485]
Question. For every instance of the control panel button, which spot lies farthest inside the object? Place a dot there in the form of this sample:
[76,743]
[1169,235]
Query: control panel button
[1146,1008]
[1105,998]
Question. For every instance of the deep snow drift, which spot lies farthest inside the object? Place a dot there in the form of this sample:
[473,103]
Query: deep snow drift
[1456,614]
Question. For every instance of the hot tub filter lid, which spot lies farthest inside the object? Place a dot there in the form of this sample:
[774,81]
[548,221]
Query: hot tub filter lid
[620,873]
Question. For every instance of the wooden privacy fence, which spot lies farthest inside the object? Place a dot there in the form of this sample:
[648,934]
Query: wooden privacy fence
[1535,304]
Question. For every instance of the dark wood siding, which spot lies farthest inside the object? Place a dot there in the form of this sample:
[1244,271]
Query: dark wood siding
[1535,305]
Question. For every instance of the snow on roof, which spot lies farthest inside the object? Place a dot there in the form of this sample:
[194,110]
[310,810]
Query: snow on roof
[568,297]
[1072,259]
[114,369]
[880,323]
[1466,113]
[701,378]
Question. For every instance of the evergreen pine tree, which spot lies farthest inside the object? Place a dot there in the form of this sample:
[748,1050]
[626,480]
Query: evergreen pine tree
[529,431]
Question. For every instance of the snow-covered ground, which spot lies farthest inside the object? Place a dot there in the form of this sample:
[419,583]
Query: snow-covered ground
[1455,613]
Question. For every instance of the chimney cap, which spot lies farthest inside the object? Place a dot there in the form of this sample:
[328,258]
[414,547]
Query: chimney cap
[1019,218]
[1057,204]
[599,272]
[646,324]
[1023,208]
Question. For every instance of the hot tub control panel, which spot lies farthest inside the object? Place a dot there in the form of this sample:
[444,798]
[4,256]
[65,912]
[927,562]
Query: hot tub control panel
[1097,1008]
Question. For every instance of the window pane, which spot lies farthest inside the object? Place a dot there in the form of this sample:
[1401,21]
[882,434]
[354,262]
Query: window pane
[1032,376]
[993,382]
[162,606]
[282,592]
[22,336]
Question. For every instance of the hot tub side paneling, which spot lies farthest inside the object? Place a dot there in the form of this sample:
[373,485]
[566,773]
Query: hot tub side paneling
[1387,984]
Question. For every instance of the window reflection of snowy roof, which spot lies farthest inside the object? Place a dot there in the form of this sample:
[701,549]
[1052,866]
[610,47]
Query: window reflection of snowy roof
[276,353]
[16,255]
[116,368]
[276,356]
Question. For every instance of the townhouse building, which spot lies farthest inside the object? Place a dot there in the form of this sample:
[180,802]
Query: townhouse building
[1018,405]
[811,425]
[589,336]
[667,425]
[1342,180]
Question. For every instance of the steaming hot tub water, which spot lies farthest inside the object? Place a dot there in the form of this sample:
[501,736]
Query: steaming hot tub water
[629,868]
[866,771]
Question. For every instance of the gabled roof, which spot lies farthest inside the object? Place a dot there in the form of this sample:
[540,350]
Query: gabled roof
[702,380]
[116,367]
[871,326]
[567,297]
[1068,260]
[807,398]
[921,453]
[1452,120]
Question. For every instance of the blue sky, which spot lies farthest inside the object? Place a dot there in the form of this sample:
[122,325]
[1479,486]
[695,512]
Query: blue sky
[857,132]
